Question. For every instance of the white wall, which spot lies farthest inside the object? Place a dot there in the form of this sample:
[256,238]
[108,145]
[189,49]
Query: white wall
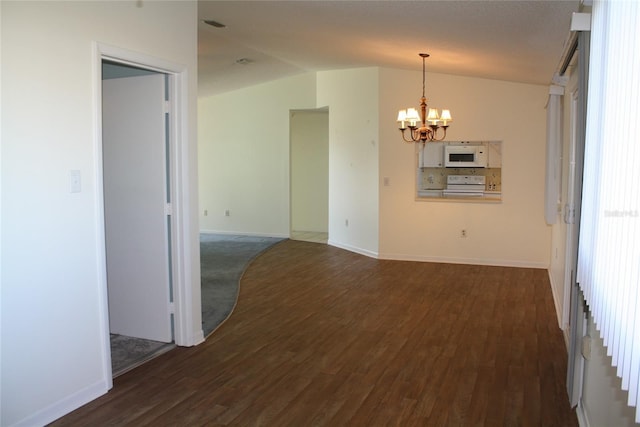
[511,233]
[244,156]
[352,97]
[310,170]
[243,146]
[53,348]
[365,147]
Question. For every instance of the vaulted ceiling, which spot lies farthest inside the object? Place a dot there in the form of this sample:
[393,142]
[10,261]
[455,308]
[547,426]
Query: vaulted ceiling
[519,41]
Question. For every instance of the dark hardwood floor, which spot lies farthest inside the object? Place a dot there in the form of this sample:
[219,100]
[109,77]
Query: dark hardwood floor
[321,336]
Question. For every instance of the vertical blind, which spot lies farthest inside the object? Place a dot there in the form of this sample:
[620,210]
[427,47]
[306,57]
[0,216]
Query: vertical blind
[609,246]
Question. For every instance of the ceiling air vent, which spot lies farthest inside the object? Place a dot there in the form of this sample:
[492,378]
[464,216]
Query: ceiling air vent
[214,23]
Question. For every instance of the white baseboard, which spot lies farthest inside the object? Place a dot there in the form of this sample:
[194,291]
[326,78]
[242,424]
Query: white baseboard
[583,420]
[64,406]
[471,261]
[555,299]
[399,257]
[246,233]
[197,337]
[355,249]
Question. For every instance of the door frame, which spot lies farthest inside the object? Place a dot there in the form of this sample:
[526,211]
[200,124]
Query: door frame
[180,238]
[569,209]
[578,311]
[292,112]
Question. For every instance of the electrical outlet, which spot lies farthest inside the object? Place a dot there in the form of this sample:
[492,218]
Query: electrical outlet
[346,222]
[463,233]
[206,212]
[227,212]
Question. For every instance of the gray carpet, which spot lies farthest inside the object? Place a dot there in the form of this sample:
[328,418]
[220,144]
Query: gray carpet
[223,259]
[129,352]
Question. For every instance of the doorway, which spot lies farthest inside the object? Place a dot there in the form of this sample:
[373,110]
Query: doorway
[137,198]
[309,172]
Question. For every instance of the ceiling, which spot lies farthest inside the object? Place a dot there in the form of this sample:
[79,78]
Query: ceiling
[519,41]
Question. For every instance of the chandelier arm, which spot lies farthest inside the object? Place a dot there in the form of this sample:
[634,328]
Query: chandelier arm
[416,135]
[444,133]
[404,138]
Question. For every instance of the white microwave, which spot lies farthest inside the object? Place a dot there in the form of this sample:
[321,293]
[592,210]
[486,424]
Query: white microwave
[465,156]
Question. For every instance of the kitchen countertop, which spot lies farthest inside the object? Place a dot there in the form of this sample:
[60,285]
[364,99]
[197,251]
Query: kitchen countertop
[431,194]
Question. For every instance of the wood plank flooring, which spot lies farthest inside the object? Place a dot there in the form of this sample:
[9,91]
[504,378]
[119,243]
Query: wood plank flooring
[325,337]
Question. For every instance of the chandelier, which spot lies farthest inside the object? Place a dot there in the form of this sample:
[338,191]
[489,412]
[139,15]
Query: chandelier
[431,123]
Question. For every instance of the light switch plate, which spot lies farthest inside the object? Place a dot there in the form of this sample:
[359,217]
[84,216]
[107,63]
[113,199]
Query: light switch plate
[75,183]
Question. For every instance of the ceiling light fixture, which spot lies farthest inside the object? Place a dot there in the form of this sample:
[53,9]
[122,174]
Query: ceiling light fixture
[431,123]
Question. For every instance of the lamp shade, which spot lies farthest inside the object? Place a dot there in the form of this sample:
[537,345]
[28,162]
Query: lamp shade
[412,116]
[402,115]
[445,117]
[432,117]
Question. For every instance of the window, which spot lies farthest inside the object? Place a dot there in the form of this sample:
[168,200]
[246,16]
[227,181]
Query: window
[609,246]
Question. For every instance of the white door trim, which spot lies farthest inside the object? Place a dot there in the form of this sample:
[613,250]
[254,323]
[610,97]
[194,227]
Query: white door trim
[186,332]
[569,211]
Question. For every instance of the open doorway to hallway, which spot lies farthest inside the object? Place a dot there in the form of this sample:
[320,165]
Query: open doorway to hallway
[309,174]
[136,188]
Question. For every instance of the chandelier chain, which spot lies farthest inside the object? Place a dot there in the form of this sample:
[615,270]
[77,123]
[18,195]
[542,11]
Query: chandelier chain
[423,76]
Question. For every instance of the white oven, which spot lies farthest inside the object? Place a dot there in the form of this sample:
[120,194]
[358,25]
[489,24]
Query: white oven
[465,186]
[465,156]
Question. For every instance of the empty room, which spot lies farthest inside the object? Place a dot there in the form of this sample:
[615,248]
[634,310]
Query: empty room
[443,195]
